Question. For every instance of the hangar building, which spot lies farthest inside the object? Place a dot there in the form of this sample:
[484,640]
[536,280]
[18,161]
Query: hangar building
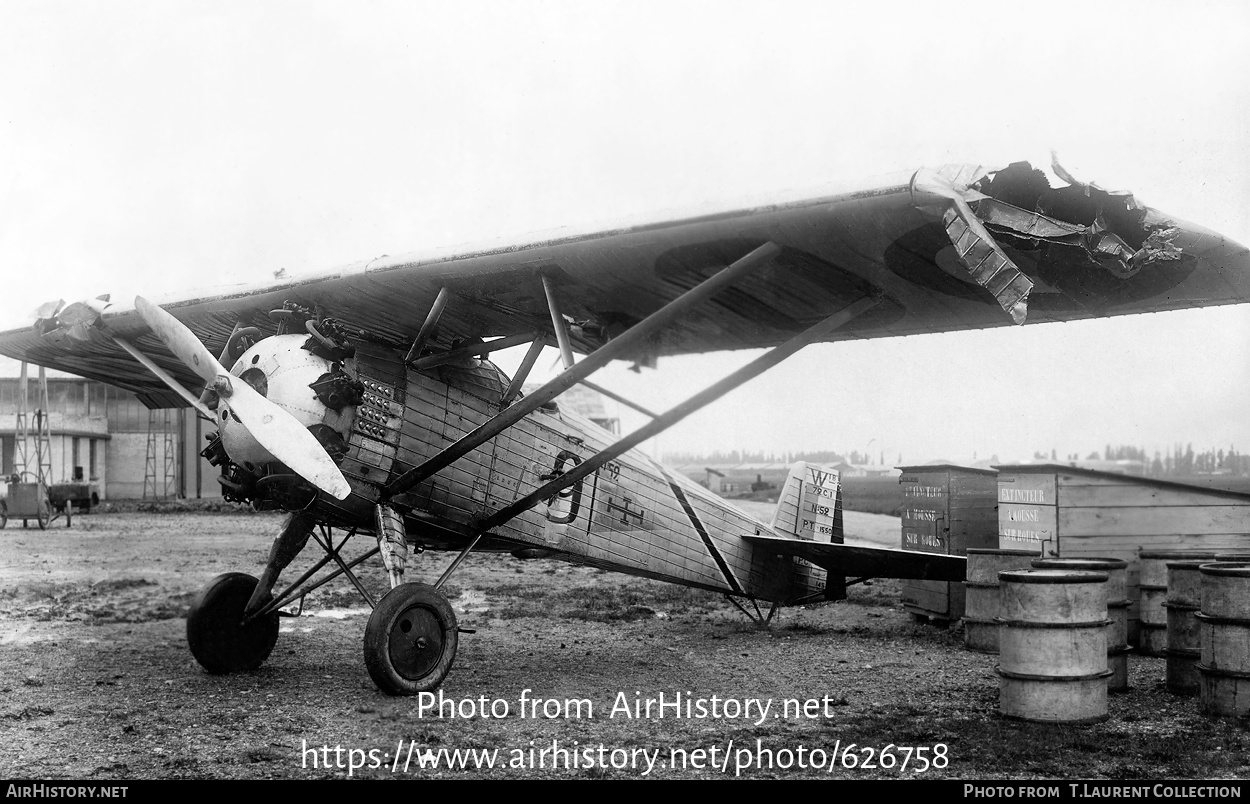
[108,437]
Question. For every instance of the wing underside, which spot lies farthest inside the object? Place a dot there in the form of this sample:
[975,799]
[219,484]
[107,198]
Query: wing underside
[958,248]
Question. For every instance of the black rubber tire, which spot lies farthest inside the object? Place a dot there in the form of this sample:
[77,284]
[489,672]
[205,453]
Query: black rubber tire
[45,514]
[217,639]
[411,640]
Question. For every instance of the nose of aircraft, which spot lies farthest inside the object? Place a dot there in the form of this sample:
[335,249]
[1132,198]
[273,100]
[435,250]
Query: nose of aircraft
[253,428]
[281,370]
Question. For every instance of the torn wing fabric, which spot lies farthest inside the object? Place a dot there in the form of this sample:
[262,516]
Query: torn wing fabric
[945,194]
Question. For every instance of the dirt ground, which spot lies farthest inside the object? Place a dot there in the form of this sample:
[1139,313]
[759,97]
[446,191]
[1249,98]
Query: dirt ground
[97,682]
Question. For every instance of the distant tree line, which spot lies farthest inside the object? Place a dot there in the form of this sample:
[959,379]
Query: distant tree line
[738,456]
[1180,460]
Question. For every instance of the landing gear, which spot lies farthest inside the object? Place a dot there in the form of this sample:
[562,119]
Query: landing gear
[411,639]
[219,638]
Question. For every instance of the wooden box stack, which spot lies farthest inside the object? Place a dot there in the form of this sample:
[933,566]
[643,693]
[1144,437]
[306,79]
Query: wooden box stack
[946,509]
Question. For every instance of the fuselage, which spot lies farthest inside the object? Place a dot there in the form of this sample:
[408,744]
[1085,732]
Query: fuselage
[632,515]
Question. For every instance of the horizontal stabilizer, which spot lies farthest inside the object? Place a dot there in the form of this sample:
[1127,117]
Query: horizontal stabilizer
[867,562]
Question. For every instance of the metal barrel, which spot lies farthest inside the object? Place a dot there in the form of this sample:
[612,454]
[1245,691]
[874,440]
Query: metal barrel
[1152,590]
[1053,645]
[1182,604]
[1224,639]
[1117,609]
[981,593]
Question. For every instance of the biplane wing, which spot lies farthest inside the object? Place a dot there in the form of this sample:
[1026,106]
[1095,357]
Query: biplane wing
[962,247]
[853,561]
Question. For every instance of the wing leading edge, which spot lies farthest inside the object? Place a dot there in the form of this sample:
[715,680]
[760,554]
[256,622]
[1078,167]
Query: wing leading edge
[962,247]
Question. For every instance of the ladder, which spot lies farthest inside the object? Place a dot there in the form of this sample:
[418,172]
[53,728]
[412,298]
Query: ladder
[32,451]
[21,430]
[160,465]
[171,455]
[43,433]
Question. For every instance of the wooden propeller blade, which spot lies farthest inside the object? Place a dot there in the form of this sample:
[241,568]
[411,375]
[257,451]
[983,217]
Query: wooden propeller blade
[180,340]
[272,427]
[285,438]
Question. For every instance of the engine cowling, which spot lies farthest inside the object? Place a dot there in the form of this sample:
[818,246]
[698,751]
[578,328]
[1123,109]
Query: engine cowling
[282,370]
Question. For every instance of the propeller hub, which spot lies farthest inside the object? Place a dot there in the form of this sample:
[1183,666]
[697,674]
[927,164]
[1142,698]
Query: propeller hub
[265,419]
[282,371]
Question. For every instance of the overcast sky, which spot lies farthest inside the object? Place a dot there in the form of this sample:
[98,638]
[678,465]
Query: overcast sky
[156,146]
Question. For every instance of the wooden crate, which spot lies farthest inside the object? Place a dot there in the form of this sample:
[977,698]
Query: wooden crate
[1070,512]
[946,509]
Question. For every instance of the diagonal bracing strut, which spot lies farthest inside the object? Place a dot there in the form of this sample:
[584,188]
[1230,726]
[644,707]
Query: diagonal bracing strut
[676,414]
[427,327]
[622,345]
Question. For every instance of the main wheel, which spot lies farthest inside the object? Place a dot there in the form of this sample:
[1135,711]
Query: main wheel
[218,638]
[4,514]
[45,514]
[411,639]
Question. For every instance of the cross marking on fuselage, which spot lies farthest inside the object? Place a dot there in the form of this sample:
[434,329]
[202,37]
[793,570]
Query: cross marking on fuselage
[626,511]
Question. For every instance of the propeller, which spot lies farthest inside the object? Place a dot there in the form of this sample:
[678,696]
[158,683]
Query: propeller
[272,427]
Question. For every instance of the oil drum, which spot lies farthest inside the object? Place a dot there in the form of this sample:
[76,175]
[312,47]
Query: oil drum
[1184,582]
[1224,639]
[1152,590]
[981,594]
[1053,645]
[1117,609]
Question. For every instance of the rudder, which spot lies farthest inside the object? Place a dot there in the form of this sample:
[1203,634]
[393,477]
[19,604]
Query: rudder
[810,507]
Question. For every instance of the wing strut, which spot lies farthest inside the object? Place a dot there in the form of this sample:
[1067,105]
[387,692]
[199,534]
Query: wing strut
[618,347]
[523,372]
[431,320]
[557,323]
[661,423]
[599,389]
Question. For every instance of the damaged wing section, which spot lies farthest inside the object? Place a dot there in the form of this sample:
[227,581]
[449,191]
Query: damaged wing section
[989,213]
[947,194]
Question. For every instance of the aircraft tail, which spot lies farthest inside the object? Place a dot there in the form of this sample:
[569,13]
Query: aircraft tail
[810,507]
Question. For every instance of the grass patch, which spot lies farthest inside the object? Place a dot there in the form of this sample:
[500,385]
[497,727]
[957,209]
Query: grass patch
[200,506]
[28,713]
[883,592]
[636,600]
[122,600]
